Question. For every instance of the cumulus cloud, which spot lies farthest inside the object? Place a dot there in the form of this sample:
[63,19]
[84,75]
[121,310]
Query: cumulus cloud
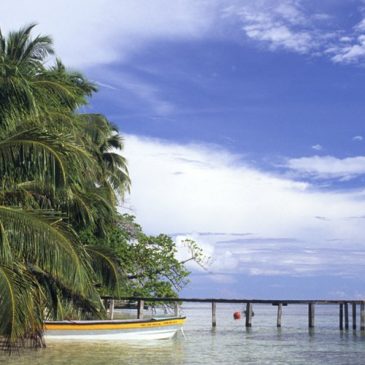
[326,167]
[357,138]
[293,228]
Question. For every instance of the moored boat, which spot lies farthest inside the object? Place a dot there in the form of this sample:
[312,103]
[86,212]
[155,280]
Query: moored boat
[109,330]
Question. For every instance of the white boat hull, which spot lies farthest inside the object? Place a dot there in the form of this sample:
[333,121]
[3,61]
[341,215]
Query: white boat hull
[113,330]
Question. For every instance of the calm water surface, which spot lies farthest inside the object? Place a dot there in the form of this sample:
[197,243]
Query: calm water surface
[230,343]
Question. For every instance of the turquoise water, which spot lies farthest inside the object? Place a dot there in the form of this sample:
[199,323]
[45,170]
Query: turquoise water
[230,343]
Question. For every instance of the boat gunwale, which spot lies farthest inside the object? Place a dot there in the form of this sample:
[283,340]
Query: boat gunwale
[112,321]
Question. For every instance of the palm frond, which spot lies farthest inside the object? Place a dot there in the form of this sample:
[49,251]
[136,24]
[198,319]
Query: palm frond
[61,298]
[20,308]
[37,237]
[106,267]
[37,154]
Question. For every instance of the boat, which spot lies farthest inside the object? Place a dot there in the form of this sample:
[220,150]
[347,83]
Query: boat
[110,330]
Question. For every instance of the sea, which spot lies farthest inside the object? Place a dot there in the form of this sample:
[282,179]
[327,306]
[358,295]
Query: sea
[229,343]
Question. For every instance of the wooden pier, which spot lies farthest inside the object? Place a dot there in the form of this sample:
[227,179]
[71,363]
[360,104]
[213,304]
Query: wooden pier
[343,306]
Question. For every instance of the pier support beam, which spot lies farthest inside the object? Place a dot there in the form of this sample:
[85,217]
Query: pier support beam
[140,308]
[214,314]
[346,316]
[280,312]
[177,309]
[341,317]
[248,315]
[311,315]
[111,308]
[362,316]
[354,316]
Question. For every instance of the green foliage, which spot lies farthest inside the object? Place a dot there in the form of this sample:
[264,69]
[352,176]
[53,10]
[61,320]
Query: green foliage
[21,299]
[56,177]
[149,262]
[62,242]
[29,90]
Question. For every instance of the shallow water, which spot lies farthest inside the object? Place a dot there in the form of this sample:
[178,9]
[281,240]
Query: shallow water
[230,343]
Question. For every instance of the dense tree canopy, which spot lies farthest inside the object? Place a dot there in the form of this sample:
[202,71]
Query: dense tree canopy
[62,242]
[148,263]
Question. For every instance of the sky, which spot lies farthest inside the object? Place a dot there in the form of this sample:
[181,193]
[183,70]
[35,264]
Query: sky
[244,129]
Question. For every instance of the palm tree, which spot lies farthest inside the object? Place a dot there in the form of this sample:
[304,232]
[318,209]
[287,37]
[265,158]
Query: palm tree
[111,180]
[105,143]
[57,174]
[28,89]
[39,250]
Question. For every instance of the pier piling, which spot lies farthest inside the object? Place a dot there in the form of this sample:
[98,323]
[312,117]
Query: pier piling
[279,314]
[111,308]
[214,317]
[354,316]
[341,317]
[362,316]
[140,308]
[177,309]
[311,315]
[346,316]
[248,315]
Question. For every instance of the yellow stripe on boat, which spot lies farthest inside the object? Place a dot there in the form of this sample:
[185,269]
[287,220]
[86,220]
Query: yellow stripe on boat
[112,326]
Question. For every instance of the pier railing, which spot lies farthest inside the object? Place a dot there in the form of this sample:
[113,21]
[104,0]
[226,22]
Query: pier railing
[342,304]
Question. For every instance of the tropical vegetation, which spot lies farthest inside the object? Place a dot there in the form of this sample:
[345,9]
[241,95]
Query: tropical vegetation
[149,264]
[62,242]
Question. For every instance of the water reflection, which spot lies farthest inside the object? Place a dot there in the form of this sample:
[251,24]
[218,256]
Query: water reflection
[151,352]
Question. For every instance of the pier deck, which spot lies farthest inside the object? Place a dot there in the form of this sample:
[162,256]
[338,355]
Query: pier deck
[343,305]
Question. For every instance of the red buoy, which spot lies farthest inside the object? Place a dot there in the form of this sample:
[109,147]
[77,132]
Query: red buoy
[237,315]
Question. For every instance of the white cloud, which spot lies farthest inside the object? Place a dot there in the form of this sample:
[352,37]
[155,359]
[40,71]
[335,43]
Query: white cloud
[317,147]
[290,25]
[360,26]
[145,92]
[280,24]
[350,53]
[345,39]
[137,93]
[89,33]
[216,192]
[223,278]
[352,49]
[280,36]
[324,167]
[357,138]
[93,32]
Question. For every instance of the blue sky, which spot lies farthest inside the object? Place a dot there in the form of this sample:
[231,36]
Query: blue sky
[244,130]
